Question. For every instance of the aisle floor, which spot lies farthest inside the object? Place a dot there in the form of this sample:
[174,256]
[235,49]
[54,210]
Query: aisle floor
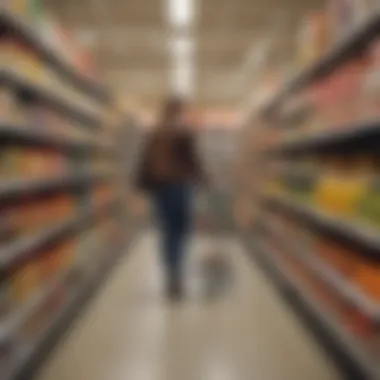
[129,331]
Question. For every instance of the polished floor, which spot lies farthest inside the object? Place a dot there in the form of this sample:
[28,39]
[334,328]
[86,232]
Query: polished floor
[130,332]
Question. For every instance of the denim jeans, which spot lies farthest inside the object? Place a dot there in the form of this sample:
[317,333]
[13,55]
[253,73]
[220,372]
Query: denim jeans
[173,205]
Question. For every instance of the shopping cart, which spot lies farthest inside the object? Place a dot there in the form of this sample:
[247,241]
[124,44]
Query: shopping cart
[214,213]
[215,265]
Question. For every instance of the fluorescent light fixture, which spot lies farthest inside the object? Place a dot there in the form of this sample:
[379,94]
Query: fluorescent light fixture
[183,79]
[182,47]
[182,72]
[181,12]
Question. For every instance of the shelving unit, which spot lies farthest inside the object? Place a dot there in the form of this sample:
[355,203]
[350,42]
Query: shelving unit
[311,184]
[51,98]
[366,237]
[64,217]
[16,189]
[26,248]
[331,277]
[346,139]
[32,38]
[327,329]
[28,136]
[357,40]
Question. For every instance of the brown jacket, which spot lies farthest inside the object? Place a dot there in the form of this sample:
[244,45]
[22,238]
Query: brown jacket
[170,156]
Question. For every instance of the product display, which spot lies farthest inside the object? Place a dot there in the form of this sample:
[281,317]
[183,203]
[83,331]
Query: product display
[58,223]
[317,181]
[326,268]
[314,38]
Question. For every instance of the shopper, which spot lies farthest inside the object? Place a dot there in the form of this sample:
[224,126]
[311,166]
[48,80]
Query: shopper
[170,170]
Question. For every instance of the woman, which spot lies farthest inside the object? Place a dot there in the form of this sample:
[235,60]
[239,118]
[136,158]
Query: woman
[170,171]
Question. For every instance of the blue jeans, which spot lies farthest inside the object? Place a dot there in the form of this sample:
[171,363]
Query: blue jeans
[173,206]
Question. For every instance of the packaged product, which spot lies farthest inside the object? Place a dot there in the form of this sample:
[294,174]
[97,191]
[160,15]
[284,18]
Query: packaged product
[34,163]
[57,125]
[308,239]
[36,116]
[20,7]
[102,194]
[346,14]
[25,282]
[300,184]
[343,16]
[22,58]
[359,324]
[371,84]
[367,278]
[55,208]
[364,8]
[29,217]
[338,256]
[10,162]
[326,297]
[58,163]
[35,216]
[8,46]
[51,262]
[340,189]
[314,37]
[8,231]
[369,205]
[322,95]
[64,205]
[51,79]
[66,255]
[40,163]
[5,296]
[33,68]
[348,104]
[8,106]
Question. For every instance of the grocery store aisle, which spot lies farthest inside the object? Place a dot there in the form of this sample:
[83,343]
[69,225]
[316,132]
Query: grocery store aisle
[131,332]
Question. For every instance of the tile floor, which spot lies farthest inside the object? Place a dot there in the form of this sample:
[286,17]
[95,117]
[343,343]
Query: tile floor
[129,332]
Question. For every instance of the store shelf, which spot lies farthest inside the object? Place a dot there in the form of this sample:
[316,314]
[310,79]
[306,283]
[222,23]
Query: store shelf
[27,247]
[55,100]
[12,322]
[340,285]
[30,136]
[65,92]
[367,238]
[31,357]
[349,46]
[345,139]
[31,37]
[348,352]
[14,189]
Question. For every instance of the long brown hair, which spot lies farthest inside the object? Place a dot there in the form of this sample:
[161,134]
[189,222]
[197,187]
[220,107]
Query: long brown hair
[172,107]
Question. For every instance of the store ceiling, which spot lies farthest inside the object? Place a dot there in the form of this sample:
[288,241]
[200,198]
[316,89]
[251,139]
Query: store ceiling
[130,42]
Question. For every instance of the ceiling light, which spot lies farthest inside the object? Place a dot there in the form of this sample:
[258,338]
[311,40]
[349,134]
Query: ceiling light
[181,12]
[182,79]
[181,48]
[182,72]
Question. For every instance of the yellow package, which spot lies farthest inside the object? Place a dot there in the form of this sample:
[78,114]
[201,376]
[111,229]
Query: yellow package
[25,282]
